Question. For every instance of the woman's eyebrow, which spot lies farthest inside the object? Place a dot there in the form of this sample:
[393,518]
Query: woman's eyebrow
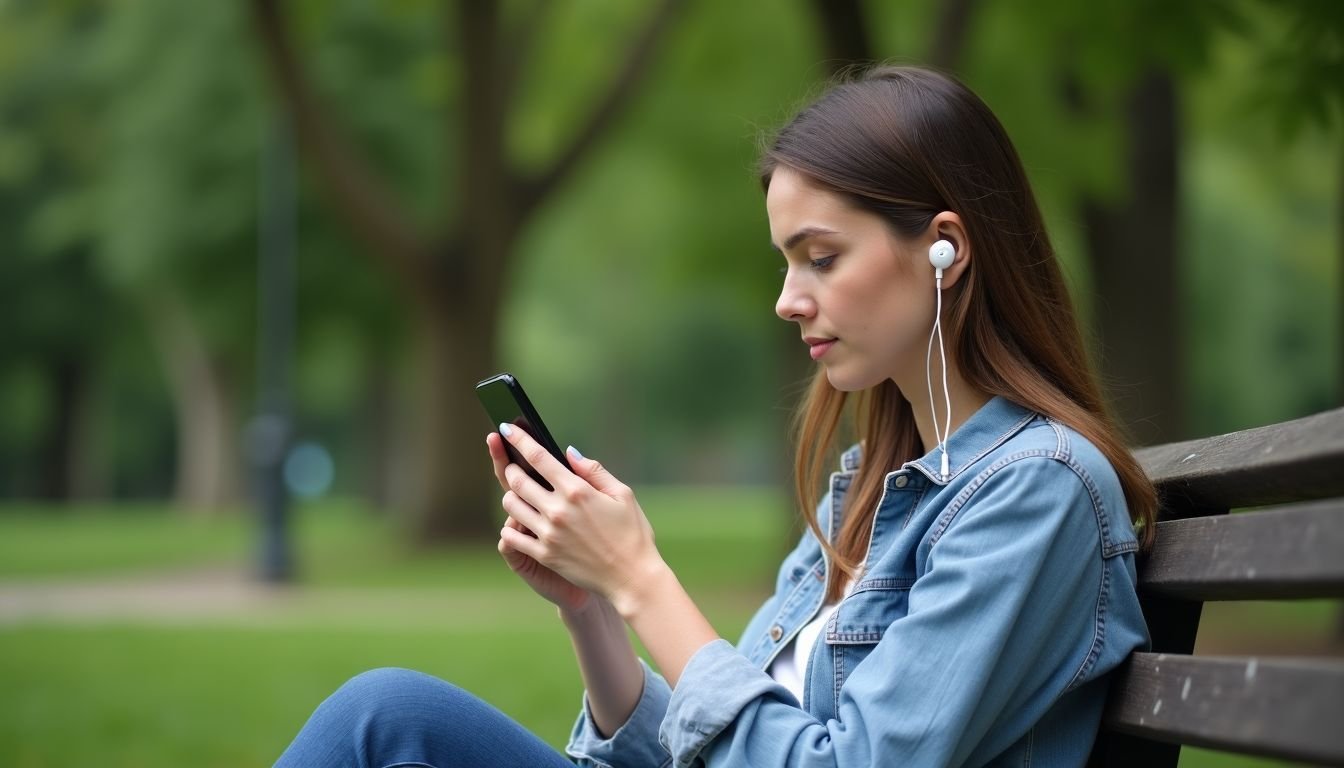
[801,235]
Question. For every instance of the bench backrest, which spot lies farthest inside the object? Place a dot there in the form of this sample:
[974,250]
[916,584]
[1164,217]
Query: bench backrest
[1290,547]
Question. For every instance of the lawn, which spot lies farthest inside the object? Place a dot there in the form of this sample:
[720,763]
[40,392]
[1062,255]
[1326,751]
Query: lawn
[229,688]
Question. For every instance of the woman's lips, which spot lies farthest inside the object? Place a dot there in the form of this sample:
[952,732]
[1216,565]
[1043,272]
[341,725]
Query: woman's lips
[818,347]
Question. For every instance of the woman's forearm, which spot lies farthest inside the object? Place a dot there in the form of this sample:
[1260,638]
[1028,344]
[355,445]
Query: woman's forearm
[665,618]
[611,672]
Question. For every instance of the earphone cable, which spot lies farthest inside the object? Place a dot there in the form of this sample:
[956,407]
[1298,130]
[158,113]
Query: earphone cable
[940,434]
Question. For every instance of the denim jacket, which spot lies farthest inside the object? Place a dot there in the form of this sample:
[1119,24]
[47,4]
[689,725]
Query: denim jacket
[991,605]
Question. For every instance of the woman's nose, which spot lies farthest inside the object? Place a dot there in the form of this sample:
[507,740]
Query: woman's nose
[793,305]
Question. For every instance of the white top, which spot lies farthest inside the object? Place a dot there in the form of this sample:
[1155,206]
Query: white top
[789,668]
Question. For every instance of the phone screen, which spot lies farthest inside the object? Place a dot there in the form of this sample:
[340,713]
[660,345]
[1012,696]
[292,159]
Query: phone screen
[506,403]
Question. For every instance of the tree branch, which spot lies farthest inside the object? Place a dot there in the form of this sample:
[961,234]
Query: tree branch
[486,216]
[844,33]
[638,55]
[482,136]
[950,34]
[352,184]
[522,44]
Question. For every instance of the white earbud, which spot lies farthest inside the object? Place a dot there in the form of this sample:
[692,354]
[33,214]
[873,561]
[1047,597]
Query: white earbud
[941,255]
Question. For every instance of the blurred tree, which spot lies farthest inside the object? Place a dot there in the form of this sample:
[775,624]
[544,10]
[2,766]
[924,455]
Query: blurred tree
[1119,67]
[1118,70]
[1133,246]
[451,272]
[1306,91]
[54,310]
[1134,70]
[171,205]
[128,190]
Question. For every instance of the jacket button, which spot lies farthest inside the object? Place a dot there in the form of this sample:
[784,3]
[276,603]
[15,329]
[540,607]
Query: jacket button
[776,632]
[902,481]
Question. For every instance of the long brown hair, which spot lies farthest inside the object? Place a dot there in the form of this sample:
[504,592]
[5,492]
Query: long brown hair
[907,143]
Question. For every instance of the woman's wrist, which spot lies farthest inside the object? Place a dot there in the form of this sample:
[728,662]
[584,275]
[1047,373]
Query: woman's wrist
[643,588]
[649,603]
[595,609]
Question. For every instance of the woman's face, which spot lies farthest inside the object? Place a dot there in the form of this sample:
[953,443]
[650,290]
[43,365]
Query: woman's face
[863,299]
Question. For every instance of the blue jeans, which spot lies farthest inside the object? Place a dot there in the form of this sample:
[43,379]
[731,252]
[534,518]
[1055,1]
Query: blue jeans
[396,717]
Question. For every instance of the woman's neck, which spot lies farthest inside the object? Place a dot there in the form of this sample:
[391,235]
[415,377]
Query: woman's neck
[966,400]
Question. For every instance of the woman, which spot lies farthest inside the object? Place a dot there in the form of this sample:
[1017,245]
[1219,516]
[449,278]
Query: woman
[967,579]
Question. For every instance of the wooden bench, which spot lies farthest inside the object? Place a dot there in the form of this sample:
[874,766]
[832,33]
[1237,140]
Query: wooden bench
[1290,547]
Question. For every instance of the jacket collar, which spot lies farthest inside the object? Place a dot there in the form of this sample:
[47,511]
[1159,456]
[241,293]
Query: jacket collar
[986,429]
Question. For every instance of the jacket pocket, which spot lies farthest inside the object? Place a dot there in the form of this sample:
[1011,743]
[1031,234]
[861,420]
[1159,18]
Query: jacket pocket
[852,632]
[863,617]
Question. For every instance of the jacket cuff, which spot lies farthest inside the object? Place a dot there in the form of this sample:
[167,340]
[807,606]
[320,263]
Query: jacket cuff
[717,683]
[635,743]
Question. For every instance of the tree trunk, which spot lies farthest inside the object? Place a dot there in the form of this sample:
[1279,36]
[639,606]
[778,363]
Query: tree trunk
[377,429]
[89,468]
[951,32]
[459,500]
[66,377]
[454,276]
[1132,244]
[207,468]
[844,33]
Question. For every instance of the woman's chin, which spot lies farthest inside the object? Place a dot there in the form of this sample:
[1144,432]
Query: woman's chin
[846,381]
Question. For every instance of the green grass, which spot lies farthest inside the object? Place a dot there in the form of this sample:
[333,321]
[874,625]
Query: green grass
[137,696]
[232,690]
[710,534]
[75,542]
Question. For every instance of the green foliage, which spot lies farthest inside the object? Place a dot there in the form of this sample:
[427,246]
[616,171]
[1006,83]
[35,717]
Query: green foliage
[1261,224]
[640,312]
[644,300]
[174,197]
[1302,65]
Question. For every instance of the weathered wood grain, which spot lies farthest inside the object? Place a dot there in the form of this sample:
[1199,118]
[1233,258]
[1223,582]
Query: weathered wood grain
[1297,460]
[1291,709]
[1288,552]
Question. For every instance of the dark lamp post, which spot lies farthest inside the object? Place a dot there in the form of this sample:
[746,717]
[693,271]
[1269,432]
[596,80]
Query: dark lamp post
[271,431]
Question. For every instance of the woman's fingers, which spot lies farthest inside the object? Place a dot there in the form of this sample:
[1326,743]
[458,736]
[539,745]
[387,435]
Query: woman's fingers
[509,522]
[527,516]
[534,454]
[499,459]
[527,489]
[513,540]
[596,475]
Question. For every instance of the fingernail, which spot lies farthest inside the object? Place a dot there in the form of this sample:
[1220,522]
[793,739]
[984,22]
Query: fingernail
[575,453]
[505,430]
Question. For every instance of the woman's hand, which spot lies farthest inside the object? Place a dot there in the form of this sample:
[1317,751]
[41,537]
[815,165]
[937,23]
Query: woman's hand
[589,535]
[545,582]
[589,530]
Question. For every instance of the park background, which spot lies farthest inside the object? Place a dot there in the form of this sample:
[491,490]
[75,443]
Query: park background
[261,250]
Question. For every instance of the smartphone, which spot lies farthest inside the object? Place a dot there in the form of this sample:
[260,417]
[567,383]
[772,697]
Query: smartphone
[506,403]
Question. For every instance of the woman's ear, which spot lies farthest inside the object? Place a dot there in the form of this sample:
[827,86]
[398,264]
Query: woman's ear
[948,226]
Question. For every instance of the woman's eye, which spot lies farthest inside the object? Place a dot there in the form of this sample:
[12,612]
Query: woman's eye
[822,264]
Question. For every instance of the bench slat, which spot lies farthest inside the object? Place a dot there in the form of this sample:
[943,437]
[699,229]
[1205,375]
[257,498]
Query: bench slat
[1297,460]
[1288,552]
[1271,707]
